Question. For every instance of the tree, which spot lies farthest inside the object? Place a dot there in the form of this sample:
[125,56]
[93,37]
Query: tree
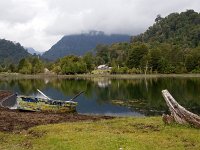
[158,18]
[103,52]
[70,65]
[37,65]
[193,60]
[136,56]
[155,55]
[12,67]
[56,69]
[24,66]
[1,68]
[89,60]
[177,28]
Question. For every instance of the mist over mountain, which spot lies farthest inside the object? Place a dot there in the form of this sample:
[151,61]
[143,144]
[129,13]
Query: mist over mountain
[33,51]
[79,44]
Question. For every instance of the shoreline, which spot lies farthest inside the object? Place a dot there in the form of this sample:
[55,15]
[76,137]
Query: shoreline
[11,120]
[37,130]
[88,76]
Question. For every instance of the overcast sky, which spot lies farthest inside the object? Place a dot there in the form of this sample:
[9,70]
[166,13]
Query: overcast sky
[41,23]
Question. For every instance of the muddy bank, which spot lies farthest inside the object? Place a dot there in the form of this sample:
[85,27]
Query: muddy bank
[4,94]
[14,120]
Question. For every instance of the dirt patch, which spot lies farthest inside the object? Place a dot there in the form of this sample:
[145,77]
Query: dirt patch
[4,94]
[26,144]
[14,120]
[145,128]
[188,144]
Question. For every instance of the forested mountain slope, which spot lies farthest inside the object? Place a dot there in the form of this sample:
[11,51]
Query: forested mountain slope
[11,52]
[81,43]
[170,45]
[181,29]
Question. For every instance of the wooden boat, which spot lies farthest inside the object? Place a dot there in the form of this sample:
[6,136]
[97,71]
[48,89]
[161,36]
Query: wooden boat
[178,113]
[28,103]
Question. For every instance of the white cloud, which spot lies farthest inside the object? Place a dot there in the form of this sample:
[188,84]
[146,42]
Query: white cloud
[40,23]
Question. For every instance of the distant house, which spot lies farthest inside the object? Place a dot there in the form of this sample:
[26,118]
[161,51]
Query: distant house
[46,70]
[103,67]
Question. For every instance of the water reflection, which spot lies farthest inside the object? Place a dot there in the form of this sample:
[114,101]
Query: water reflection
[114,97]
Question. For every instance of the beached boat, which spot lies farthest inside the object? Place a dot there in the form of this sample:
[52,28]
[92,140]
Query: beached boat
[46,104]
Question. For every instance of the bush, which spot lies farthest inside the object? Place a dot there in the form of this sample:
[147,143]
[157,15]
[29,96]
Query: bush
[121,70]
[134,71]
[196,70]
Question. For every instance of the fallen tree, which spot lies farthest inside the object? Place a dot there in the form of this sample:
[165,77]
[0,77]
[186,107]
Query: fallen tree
[178,113]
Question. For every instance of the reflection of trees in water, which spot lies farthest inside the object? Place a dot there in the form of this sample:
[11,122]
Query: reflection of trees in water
[30,86]
[184,90]
[70,87]
[119,89]
[25,86]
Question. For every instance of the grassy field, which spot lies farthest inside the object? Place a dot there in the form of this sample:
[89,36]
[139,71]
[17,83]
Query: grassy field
[122,133]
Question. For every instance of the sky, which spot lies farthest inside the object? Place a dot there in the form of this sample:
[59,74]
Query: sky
[41,23]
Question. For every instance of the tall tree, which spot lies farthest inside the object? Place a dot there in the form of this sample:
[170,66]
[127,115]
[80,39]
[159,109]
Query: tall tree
[37,65]
[136,56]
[25,66]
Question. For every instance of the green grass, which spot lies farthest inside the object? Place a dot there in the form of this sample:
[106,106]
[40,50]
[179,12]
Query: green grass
[126,133]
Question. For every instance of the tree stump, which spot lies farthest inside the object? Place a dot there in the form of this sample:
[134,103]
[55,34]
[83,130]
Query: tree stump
[179,113]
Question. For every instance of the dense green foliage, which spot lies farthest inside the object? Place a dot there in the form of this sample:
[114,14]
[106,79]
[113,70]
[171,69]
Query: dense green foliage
[29,65]
[32,65]
[70,65]
[14,58]
[74,65]
[171,45]
[178,29]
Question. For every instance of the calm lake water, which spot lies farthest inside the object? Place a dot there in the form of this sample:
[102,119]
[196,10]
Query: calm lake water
[104,96]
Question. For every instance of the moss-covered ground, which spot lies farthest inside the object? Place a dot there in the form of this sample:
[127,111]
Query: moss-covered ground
[120,133]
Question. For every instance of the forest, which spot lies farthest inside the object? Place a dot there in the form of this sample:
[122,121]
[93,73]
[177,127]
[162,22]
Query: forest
[170,45]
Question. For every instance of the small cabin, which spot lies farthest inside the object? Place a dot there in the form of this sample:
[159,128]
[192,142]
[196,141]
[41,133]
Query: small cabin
[103,67]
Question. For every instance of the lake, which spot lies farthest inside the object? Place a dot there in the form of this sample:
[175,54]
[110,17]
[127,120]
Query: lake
[118,97]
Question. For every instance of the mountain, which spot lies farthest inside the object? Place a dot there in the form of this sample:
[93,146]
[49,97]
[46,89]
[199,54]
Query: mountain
[11,52]
[181,29]
[79,44]
[33,51]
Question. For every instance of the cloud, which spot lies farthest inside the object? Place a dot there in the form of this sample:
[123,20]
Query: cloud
[20,11]
[41,23]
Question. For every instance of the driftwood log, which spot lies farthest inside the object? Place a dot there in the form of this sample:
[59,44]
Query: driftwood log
[178,113]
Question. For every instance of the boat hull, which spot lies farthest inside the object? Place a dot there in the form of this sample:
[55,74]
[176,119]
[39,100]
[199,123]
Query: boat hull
[44,105]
